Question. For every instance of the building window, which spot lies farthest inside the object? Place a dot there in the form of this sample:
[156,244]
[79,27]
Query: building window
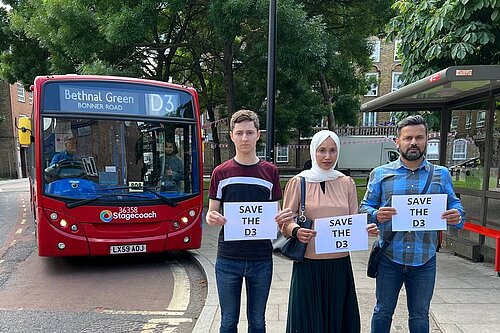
[282,154]
[454,123]
[261,151]
[373,90]
[375,47]
[396,81]
[369,118]
[20,93]
[468,121]
[30,95]
[481,117]
[459,149]
[433,150]
[397,42]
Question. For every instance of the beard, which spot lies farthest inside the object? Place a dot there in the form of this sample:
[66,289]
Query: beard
[412,155]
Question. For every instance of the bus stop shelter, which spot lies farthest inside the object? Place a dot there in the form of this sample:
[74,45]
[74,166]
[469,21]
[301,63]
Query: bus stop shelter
[468,143]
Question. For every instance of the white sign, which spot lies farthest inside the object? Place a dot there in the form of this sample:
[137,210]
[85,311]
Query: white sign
[419,212]
[341,233]
[250,220]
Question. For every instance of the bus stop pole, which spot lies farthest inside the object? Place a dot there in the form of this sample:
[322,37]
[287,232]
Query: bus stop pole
[271,82]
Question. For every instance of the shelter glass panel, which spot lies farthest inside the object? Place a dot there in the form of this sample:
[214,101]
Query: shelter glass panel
[492,219]
[494,183]
[465,150]
[472,207]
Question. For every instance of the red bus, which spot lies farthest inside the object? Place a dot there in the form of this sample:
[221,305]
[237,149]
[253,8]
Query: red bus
[115,165]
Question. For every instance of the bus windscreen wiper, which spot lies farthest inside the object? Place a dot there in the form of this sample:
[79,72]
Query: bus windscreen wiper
[89,200]
[168,201]
[78,203]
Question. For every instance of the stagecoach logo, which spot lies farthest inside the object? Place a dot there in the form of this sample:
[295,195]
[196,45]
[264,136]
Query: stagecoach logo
[127,214]
[106,216]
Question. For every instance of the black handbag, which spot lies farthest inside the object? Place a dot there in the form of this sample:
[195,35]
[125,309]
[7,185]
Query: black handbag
[290,247]
[377,251]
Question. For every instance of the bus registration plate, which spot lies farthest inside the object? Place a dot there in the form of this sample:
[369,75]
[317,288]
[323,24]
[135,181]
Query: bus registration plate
[133,248]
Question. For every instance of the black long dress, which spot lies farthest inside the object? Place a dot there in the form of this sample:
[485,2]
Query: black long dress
[323,297]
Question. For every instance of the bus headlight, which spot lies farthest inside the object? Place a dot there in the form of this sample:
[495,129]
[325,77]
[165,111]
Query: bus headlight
[192,213]
[176,225]
[186,239]
[53,216]
[61,246]
[184,220]
[63,223]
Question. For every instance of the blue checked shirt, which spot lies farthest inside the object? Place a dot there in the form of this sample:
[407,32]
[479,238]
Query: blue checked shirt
[412,248]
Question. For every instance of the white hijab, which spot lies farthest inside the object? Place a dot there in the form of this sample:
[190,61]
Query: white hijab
[316,174]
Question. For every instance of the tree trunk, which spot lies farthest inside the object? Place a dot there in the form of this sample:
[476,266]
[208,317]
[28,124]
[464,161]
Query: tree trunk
[327,100]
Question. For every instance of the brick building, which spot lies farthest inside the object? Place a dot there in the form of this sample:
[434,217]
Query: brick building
[15,102]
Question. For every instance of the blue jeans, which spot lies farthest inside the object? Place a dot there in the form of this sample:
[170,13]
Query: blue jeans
[419,284]
[229,274]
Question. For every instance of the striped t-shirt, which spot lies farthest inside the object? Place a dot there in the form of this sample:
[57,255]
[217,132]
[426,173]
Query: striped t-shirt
[234,182]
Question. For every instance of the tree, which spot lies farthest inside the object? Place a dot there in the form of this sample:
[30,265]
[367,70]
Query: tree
[441,33]
[341,79]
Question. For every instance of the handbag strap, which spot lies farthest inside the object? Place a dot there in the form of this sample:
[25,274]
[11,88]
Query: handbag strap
[424,190]
[302,215]
[429,179]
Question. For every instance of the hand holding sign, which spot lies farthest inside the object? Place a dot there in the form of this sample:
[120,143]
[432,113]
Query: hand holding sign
[452,216]
[385,214]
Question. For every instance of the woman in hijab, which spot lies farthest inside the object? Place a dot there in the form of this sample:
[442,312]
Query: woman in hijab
[322,292]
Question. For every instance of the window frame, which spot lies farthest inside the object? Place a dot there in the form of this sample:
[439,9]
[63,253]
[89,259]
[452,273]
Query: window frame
[454,123]
[278,155]
[367,94]
[480,121]
[433,156]
[396,45]
[21,95]
[369,118]
[375,55]
[261,148]
[468,120]
[459,155]
[393,88]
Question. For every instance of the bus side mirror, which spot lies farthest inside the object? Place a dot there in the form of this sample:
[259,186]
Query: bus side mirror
[24,131]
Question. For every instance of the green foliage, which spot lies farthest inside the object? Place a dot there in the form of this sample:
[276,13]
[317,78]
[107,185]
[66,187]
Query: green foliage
[441,33]
[433,119]
[217,46]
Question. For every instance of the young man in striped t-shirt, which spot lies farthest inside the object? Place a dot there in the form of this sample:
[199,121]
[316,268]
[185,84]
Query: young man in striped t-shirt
[244,178]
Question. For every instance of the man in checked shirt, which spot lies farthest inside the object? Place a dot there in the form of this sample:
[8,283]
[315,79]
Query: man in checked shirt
[411,256]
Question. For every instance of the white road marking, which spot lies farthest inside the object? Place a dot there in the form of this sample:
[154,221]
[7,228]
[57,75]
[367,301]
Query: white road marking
[182,289]
[144,313]
[175,310]
[19,231]
[178,304]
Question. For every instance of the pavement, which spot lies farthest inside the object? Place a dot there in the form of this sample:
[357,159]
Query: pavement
[466,297]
